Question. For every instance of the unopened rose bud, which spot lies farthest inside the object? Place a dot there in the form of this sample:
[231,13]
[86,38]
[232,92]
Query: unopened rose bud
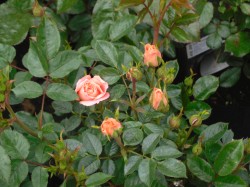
[188,81]
[37,10]
[134,73]
[197,149]
[161,72]
[168,79]
[175,122]
[151,55]
[158,100]
[195,120]
[111,127]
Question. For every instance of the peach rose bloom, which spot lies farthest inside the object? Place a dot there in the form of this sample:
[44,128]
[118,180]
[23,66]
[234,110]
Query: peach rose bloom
[110,125]
[150,55]
[91,90]
[156,97]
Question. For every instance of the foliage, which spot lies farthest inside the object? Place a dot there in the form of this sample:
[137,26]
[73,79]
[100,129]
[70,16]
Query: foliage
[142,129]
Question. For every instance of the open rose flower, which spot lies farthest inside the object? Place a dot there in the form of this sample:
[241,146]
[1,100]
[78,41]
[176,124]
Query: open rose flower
[91,90]
[150,55]
[109,126]
[158,100]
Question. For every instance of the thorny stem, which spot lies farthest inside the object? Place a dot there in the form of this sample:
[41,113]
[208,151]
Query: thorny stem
[21,69]
[129,95]
[158,24]
[35,164]
[40,122]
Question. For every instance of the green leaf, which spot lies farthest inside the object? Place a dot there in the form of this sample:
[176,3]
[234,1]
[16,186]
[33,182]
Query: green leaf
[245,8]
[97,179]
[4,165]
[200,168]
[107,52]
[73,144]
[81,21]
[122,26]
[72,123]
[214,41]
[110,75]
[64,63]
[39,177]
[7,54]
[149,143]
[41,152]
[61,107]
[133,180]
[150,128]
[180,35]
[206,15]
[92,144]
[196,107]
[14,25]
[214,132]
[229,181]
[61,92]
[140,87]
[117,91]
[211,151]
[163,152]
[28,89]
[90,164]
[186,19]
[238,44]
[15,144]
[19,171]
[229,158]
[35,61]
[108,167]
[173,90]
[172,167]
[130,3]
[226,78]
[24,5]
[223,31]
[132,164]
[64,5]
[146,171]
[21,77]
[205,86]
[48,38]
[132,136]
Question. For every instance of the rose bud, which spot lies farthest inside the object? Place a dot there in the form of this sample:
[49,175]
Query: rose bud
[175,122]
[134,73]
[158,100]
[110,127]
[37,10]
[91,90]
[195,120]
[197,149]
[151,55]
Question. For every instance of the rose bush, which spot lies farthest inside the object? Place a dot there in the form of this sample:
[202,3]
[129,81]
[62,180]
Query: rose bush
[88,104]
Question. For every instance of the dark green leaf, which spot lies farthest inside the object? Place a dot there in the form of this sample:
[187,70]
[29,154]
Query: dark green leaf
[107,52]
[63,5]
[180,35]
[15,144]
[73,144]
[61,92]
[229,181]
[7,54]
[28,89]
[108,167]
[238,44]
[41,152]
[163,152]
[14,25]
[110,75]
[186,19]
[223,31]
[132,124]
[72,123]
[172,167]
[245,8]
[122,26]
[196,107]
[39,177]
[97,179]
[90,164]
[200,168]
[149,143]
[141,87]
[35,61]
[132,164]
[173,90]
[92,144]
[150,128]
[79,22]
[206,14]
[226,78]
[4,165]
[211,151]
[205,86]
[61,107]
[64,63]
[19,171]
[117,91]
[146,171]
[214,41]
[129,3]
[214,132]
[133,180]
[229,158]
[21,77]
[132,136]
[48,38]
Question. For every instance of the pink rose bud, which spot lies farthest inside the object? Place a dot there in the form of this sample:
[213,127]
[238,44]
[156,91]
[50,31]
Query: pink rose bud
[91,90]
[150,55]
[109,126]
[158,100]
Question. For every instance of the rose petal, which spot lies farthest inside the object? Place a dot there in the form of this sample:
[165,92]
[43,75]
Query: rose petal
[81,82]
[90,103]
